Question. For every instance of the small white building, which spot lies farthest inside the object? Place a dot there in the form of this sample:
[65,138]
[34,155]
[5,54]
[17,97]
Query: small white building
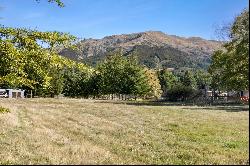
[12,93]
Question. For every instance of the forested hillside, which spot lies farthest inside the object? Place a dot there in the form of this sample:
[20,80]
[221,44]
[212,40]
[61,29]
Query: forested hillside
[154,49]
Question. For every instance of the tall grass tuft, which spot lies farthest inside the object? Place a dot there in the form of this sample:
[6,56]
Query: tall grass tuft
[4,110]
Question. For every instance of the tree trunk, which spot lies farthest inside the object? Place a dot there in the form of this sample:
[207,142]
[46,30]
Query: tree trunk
[212,101]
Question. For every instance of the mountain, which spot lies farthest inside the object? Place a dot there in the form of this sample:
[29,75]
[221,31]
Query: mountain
[154,49]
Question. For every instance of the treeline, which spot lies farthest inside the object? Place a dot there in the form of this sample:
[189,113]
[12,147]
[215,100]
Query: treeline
[116,75]
[124,77]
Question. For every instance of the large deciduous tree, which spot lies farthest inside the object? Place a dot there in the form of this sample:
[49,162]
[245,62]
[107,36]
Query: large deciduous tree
[25,61]
[230,66]
[120,75]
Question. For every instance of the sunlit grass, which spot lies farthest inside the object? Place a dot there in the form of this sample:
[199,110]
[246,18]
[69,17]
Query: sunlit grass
[75,131]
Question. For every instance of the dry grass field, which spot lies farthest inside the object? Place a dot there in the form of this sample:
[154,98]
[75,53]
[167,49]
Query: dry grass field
[76,131]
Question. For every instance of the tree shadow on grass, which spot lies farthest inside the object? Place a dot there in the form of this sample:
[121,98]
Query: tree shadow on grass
[145,103]
[226,107]
[239,108]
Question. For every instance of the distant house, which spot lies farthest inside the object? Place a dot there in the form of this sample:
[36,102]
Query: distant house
[209,93]
[239,93]
[11,93]
[230,93]
[170,69]
[245,93]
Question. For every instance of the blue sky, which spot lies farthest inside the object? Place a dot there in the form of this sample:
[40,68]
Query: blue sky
[99,18]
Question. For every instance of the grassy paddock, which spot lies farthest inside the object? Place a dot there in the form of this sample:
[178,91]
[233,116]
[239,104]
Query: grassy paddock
[75,131]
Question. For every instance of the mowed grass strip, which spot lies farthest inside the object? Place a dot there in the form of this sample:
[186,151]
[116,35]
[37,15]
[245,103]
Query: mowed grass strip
[77,131]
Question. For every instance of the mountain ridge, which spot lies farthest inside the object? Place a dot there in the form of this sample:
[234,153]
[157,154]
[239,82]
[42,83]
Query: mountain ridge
[149,45]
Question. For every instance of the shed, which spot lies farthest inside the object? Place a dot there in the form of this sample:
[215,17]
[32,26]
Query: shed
[12,93]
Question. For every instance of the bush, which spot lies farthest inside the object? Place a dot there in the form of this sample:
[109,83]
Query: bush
[4,110]
[180,92]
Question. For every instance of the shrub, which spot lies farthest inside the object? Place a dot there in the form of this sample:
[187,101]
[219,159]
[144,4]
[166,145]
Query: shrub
[180,92]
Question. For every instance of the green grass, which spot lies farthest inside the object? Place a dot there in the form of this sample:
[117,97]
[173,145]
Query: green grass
[75,131]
